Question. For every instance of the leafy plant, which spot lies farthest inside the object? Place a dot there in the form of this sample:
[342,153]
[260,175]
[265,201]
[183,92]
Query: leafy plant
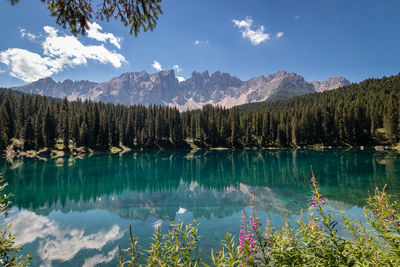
[8,248]
[315,242]
[176,248]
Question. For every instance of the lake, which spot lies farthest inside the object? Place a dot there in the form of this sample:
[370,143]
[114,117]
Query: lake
[75,211]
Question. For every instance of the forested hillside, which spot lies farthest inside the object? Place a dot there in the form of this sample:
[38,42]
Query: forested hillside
[359,114]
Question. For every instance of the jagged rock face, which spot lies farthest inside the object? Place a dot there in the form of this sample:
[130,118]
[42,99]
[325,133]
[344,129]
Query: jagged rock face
[137,88]
[330,84]
[263,88]
[66,88]
[203,87]
[163,88]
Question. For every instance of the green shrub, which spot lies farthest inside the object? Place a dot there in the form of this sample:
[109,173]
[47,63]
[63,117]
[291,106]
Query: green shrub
[176,248]
[8,249]
[315,242]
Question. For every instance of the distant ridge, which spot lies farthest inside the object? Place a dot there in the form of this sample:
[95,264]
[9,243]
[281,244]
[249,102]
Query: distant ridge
[163,88]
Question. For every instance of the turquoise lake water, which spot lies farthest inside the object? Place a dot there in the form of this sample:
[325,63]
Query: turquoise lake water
[75,211]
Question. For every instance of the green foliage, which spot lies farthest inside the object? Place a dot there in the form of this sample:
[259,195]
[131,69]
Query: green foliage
[77,14]
[315,242]
[176,248]
[8,249]
[360,114]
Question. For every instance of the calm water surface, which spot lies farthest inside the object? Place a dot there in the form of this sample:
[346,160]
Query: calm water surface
[74,212]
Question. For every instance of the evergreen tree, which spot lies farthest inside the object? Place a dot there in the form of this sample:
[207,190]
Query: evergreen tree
[3,136]
[66,133]
[391,122]
[49,129]
[359,114]
[84,135]
[29,135]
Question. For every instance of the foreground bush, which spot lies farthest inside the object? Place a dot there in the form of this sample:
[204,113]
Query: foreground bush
[315,242]
[8,249]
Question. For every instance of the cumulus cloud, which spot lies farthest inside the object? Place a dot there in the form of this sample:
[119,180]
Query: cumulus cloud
[180,78]
[50,30]
[27,66]
[177,68]
[59,52]
[94,33]
[279,35]
[68,50]
[157,66]
[28,35]
[55,242]
[255,35]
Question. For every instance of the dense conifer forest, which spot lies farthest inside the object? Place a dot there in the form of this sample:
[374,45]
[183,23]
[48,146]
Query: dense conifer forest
[360,114]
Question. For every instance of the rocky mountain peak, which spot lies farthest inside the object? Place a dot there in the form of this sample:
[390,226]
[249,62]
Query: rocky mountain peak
[330,84]
[163,88]
[45,81]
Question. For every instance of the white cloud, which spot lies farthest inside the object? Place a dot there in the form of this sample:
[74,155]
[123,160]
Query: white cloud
[55,242]
[50,30]
[198,42]
[100,258]
[181,210]
[28,35]
[177,69]
[279,35]
[257,36]
[94,33]
[157,66]
[25,65]
[69,50]
[157,224]
[59,52]
[296,17]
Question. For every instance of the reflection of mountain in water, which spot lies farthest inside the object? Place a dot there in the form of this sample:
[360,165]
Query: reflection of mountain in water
[201,202]
[138,185]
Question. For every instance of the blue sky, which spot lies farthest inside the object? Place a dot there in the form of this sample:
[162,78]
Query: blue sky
[318,39]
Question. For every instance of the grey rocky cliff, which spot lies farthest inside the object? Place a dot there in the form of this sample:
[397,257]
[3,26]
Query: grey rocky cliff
[163,88]
[330,84]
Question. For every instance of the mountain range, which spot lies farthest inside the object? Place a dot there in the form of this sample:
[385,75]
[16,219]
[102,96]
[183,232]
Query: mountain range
[163,88]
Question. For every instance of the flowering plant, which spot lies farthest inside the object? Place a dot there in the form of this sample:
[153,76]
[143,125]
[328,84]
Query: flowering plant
[314,242]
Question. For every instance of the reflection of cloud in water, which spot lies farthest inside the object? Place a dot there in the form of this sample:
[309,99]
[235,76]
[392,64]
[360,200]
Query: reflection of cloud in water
[56,243]
[100,258]
[181,210]
[157,224]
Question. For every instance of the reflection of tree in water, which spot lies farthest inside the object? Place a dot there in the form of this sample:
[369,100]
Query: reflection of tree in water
[201,202]
[206,182]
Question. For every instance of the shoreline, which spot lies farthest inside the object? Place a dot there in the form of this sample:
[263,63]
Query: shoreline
[46,154]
